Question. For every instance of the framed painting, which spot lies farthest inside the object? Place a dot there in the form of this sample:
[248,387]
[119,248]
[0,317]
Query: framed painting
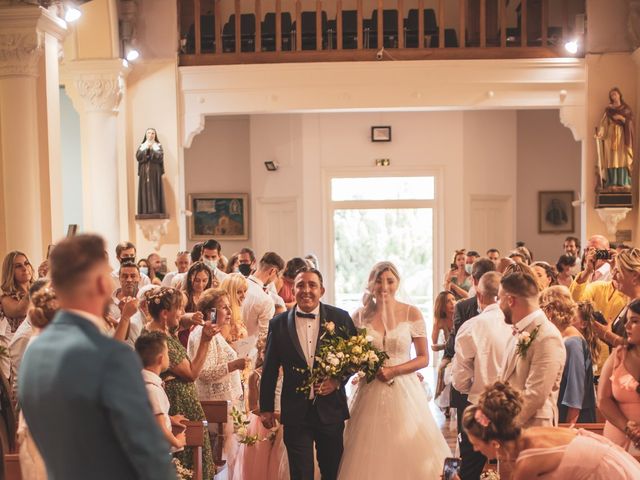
[223,216]
[555,212]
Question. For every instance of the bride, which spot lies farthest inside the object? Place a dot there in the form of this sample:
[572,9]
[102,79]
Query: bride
[391,432]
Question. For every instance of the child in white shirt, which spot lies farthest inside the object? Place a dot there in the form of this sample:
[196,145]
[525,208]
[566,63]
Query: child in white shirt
[154,353]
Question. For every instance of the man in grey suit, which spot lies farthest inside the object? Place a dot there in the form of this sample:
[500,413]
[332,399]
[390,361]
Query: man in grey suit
[81,392]
[535,367]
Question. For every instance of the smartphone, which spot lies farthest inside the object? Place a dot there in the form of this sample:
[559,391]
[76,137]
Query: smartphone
[213,316]
[451,468]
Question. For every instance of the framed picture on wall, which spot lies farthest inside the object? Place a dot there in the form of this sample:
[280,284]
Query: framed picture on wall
[223,216]
[555,212]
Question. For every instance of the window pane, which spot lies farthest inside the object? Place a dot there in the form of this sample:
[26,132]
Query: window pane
[382,188]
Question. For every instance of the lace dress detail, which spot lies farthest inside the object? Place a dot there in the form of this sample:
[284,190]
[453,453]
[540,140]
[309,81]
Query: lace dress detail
[215,382]
[391,433]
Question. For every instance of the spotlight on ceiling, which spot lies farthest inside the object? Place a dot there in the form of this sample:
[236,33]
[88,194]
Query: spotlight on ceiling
[133,55]
[571,47]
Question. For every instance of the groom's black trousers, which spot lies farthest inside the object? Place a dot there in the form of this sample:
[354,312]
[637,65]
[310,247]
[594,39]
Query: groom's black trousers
[299,440]
[472,462]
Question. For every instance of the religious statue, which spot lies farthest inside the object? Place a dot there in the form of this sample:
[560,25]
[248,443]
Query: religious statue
[614,140]
[150,170]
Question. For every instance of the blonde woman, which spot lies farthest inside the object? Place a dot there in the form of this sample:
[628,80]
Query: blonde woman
[17,277]
[236,286]
[577,397]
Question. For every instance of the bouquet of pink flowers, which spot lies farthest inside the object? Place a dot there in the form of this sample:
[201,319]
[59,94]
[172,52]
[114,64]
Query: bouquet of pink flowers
[339,358]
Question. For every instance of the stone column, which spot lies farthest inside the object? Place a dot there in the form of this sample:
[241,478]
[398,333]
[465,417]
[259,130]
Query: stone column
[96,88]
[29,39]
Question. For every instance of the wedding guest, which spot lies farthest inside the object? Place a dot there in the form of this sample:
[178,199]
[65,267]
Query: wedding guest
[166,308]
[443,309]
[129,279]
[17,277]
[81,392]
[21,338]
[45,306]
[595,269]
[207,253]
[503,263]
[572,249]
[258,306]
[183,262]
[198,279]
[154,354]
[219,378]
[246,261]
[134,317]
[576,399]
[619,390]
[236,287]
[313,261]
[267,458]
[481,343]
[222,263]
[493,254]
[232,264]
[521,255]
[457,279]
[565,268]
[155,267]
[541,452]
[472,256]
[545,273]
[285,289]
[535,357]
[143,266]
[585,320]
[126,252]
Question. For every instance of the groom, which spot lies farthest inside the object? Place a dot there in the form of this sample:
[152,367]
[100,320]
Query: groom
[317,417]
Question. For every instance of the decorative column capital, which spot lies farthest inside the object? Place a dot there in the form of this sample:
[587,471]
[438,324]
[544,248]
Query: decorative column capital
[95,85]
[22,30]
[574,118]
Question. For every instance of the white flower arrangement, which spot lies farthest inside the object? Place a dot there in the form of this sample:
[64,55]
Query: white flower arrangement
[525,339]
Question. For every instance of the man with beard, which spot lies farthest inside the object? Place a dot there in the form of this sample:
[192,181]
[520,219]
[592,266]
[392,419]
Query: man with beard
[535,355]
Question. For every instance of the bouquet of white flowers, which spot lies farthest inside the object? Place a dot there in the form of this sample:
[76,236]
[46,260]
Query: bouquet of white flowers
[340,357]
[241,430]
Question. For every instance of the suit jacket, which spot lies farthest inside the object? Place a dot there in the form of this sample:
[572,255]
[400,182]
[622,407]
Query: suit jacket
[538,374]
[86,405]
[284,350]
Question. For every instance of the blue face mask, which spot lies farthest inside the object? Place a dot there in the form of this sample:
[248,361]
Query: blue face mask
[144,271]
[211,264]
[468,267]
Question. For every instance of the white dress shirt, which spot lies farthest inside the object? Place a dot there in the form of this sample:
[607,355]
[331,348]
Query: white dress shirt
[602,274]
[166,281]
[481,343]
[307,330]
[258,308]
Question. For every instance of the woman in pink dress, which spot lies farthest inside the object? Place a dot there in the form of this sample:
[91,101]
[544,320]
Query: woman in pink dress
[550,453]
[619,391]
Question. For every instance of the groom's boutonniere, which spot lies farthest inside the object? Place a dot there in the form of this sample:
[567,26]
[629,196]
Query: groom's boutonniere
[525,339]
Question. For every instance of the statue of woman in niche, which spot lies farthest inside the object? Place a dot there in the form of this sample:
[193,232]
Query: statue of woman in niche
[150,170]
[614,139]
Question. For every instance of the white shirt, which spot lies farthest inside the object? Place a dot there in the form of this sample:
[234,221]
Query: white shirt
[481,344]
[273,293]
[602,274]
[157,397]
[307,330]
[166,281]
[257,309]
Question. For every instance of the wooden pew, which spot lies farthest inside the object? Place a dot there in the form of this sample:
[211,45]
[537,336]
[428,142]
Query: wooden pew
[195,438]
[12,467]
[216,412]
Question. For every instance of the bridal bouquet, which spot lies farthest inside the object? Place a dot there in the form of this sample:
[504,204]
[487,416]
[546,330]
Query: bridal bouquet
[339,357]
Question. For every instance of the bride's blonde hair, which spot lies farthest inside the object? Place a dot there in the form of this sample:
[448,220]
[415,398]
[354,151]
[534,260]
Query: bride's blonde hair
[378,269]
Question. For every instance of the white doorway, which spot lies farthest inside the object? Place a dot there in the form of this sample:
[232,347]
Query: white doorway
[380,218]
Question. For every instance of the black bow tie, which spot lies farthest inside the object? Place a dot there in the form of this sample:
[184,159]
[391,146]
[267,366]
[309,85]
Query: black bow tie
[305,315]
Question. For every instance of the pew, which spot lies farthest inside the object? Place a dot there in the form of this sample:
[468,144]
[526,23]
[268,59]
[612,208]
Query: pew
[12,467]
[195,438]
[216,412]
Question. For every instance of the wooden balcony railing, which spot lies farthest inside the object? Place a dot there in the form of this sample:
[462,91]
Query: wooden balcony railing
[262,31]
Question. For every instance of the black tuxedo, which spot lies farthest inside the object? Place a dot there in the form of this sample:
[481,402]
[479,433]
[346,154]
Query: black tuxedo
[472,462]
[305,421]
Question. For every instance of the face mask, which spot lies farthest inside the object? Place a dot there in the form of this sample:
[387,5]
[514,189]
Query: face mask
[468,267]
[211,264]
[244,269]
[144,270]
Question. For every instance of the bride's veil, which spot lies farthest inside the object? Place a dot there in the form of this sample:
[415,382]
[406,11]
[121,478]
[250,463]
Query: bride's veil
[371,303]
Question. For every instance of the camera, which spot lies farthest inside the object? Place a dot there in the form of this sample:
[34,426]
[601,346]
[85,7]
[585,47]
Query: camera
[603,255]
[451,468]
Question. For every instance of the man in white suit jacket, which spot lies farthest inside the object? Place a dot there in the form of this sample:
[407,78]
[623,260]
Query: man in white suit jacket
[536,354]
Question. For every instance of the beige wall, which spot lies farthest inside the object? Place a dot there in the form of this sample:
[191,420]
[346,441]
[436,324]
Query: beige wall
[218,162]
[548,159]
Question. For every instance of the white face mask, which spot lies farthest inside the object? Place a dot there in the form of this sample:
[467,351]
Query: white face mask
[468,267]
[211,264]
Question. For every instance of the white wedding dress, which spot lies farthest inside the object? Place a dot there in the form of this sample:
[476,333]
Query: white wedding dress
[391,433]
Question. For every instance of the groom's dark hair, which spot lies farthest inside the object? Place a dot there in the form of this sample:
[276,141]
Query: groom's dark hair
[311,270]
